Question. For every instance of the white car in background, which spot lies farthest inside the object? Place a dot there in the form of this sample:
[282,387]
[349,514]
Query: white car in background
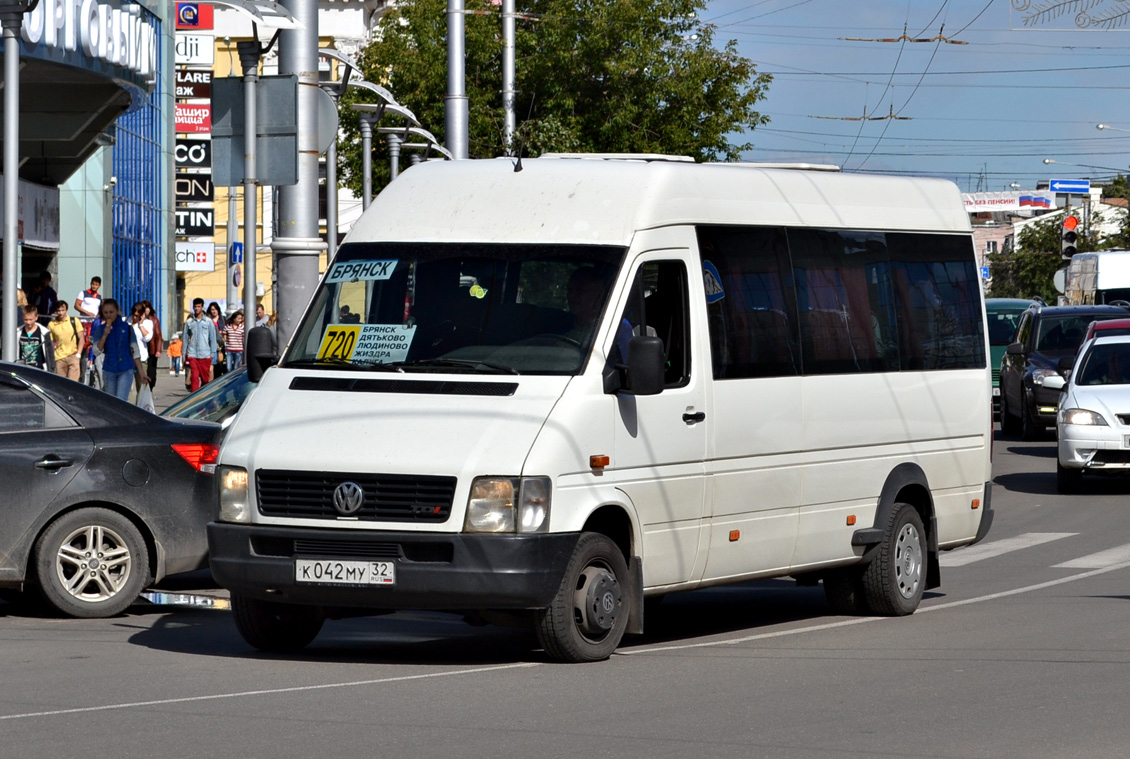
[1094,413]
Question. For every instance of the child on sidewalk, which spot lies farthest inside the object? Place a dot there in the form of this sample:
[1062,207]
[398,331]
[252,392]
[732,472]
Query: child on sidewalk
[175,349]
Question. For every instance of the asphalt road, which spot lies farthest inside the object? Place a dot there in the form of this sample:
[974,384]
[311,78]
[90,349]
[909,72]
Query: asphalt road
[1023,652]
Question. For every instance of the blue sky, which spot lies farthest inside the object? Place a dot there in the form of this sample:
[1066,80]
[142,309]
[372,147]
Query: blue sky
[971,119]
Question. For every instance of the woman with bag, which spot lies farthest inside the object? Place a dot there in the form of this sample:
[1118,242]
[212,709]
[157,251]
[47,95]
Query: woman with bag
[156,342]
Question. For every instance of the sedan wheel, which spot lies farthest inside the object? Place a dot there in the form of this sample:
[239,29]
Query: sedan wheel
[91,563]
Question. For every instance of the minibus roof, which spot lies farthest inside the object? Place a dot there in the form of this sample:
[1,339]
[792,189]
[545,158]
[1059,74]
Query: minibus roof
[564,200]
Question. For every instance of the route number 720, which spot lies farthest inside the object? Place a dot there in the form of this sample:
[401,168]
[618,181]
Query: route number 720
[338,342]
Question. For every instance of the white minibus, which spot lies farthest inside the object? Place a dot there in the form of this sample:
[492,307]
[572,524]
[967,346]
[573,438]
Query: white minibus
[550,390]
[1098,278]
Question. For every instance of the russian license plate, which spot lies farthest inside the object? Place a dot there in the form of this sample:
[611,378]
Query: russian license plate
[996,392]
[334,572]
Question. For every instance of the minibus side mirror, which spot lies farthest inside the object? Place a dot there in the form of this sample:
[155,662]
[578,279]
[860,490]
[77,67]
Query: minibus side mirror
[643,374]
[260,352]
[1015,349]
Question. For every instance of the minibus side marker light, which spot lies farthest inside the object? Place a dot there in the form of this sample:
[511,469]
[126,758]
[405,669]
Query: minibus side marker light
[735,535]
[976,503]
[599,462]
[851,519]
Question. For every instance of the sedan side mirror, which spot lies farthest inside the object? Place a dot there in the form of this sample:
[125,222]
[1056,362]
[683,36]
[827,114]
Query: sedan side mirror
[1066,364]
[1015,349]
[1055,383]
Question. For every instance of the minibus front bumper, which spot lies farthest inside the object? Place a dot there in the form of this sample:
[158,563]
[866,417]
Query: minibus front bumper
[432,570]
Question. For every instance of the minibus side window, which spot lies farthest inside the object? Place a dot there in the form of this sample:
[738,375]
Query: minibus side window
[750,302]
[657,306]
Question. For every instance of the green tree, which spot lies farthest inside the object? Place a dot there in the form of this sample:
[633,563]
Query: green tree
[1028,269]
[617,76]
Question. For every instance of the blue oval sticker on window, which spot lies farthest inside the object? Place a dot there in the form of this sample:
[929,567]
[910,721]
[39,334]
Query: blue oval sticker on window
[712,281]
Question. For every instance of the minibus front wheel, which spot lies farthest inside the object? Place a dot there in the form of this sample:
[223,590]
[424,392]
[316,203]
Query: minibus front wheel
[275,627]
[590,612]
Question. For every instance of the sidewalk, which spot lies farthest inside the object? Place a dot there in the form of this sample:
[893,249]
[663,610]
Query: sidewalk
[168,390]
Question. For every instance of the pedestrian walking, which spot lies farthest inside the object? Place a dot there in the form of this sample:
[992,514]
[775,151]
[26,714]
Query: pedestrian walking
[199,345]
[217,316]
[45,298]
[233,341]
[156,343]
[143,333]
[70,340]
[176,348]
[121,355]
[35,345]
[261,317]
[88,309]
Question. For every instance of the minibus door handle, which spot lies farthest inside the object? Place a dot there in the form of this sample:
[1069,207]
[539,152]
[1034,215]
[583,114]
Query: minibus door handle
[695,418]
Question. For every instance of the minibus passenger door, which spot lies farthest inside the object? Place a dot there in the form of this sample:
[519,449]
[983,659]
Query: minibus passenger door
[661,439]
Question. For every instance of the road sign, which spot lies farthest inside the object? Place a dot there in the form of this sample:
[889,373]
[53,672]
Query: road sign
[1071,186]
[984,272]
[236,253]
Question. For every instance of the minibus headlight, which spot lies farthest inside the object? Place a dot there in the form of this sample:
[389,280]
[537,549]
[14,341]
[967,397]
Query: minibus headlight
[235,505]
[1083,417]
[508,504]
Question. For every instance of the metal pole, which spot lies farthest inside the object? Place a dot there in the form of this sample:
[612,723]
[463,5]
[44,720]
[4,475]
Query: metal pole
[508,37]
[233,237]
[297,250]
[249,53]
[393,156]
[366,161]
[8,321]
[331,200]
[456,117]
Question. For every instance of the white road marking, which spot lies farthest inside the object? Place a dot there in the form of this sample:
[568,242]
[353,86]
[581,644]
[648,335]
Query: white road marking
[267,691]
[1098,560]
[963,556]
[869,620]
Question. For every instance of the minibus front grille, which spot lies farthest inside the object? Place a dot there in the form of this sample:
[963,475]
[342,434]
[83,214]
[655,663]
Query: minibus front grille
[387,497]
[401,386]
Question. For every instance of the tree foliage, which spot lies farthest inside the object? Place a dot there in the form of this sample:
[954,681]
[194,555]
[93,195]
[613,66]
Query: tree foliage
[617,76]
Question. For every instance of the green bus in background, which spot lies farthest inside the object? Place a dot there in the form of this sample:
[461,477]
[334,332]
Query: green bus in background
[1003,315]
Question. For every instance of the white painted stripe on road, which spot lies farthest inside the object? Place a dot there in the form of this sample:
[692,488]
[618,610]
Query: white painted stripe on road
[982,551]
[1098,560]
[267,691]
[872,620]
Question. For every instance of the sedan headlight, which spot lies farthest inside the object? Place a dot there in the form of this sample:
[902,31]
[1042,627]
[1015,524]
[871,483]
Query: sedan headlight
[1039,375]
[235,506]
[508,504]
[1082,416]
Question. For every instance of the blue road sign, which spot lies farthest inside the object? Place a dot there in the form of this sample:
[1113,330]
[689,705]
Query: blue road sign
[1071,186]
[984,272]
[236,253]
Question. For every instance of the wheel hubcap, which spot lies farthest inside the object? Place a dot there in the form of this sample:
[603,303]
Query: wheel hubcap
[597,601]
[908,561]
[93,563]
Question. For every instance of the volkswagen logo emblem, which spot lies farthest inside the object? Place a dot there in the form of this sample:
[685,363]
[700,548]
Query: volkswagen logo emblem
[348,498]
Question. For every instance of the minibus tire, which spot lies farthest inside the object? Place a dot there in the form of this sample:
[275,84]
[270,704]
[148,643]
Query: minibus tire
[275,627]
[894,580]
[843,590]
[596,576]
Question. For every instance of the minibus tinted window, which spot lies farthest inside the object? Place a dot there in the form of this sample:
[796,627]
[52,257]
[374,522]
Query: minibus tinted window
[844,301]
[426,307]
[749,302]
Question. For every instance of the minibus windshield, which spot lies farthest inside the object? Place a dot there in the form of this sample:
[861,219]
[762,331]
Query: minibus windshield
[457,307]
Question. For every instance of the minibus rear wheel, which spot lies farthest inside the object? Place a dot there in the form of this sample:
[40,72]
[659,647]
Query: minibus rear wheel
[894,580]
[275,627]
[589,614]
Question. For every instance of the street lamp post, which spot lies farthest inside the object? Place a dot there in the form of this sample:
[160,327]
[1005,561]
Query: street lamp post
[11,16]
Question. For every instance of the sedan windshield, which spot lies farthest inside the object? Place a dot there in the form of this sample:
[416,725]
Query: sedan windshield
[1106,365]
[407,307]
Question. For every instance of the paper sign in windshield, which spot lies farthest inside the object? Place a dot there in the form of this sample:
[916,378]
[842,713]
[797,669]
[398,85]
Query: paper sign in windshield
[365,343]
[355,271]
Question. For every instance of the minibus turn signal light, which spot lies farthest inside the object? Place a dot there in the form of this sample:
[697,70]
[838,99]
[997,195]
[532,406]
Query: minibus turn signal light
[976,503]
[599,462]
[851,519]
[735,535]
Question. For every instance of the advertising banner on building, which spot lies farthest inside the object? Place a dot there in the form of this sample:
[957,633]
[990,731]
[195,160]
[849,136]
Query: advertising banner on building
[1023,200]
[193,154]
[196,256]
[193,84]
[195,222]
[193,119]
[194,16]
[38,217]
[194,49]
[194,188]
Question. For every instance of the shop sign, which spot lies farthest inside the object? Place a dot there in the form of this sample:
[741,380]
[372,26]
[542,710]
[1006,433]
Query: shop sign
[193,119]
[195,256]
[118,33]
[194,84]
[193,154]
[194,188]
[194,49]
[195,222]
[192,16]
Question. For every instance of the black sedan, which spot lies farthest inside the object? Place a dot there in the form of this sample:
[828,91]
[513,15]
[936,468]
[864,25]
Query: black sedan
[101,498]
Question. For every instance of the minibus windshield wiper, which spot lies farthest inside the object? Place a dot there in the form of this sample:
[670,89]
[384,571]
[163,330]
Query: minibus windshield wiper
[470,363]
[340,363]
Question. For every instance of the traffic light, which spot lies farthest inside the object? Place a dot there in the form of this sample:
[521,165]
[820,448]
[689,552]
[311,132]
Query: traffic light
[1068,237]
